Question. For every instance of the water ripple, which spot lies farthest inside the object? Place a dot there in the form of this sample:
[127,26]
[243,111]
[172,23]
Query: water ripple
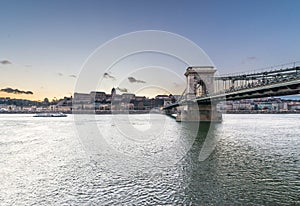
[256,162]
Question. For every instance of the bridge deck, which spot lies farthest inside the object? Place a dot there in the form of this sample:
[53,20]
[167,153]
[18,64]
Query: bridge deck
[276,89]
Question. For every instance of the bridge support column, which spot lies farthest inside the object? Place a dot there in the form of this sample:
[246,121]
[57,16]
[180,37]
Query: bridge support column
[202,76]
[209,113]
[199,113]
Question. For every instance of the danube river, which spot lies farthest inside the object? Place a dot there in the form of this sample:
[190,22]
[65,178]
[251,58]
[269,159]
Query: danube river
[86,160]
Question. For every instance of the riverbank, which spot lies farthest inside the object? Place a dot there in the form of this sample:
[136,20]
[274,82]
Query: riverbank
[146,112]
[85,112]
[260,112]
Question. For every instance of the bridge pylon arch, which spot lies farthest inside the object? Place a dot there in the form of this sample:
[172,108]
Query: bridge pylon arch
[197,74]
[192,111]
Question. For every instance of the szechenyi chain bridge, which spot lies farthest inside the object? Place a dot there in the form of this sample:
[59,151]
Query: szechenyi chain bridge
[205,90]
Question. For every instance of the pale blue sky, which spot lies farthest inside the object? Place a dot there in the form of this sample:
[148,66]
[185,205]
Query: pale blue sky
[47,41]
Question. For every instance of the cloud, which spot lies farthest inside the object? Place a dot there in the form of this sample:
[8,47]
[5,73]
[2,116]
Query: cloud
[108,76]
[61,74]
[15,91]
[5,62]
[134,80]
[176,84]
[122,89]
[248,59]
[252,58]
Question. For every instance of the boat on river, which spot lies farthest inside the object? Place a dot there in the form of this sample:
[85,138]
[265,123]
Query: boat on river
[60,114]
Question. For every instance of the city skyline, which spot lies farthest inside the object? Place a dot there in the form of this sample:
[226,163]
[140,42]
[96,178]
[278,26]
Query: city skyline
[45,44]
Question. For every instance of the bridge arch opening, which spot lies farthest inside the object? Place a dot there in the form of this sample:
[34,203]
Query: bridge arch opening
[200,88]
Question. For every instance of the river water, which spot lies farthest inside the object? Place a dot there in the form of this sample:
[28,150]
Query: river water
[245,160]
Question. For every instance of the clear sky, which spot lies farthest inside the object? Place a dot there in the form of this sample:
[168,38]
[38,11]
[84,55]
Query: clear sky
[47,42]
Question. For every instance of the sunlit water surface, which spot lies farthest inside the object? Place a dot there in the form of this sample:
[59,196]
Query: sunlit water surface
[46,161]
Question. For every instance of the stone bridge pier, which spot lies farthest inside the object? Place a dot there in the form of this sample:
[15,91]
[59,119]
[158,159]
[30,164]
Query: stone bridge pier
[200,83]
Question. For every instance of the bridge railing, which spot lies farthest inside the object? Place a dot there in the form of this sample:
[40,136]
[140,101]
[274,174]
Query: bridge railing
[246,80]
[274,68]
[241,81]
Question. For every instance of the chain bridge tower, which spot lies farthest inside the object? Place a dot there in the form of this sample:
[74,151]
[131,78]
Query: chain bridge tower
[200,83]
